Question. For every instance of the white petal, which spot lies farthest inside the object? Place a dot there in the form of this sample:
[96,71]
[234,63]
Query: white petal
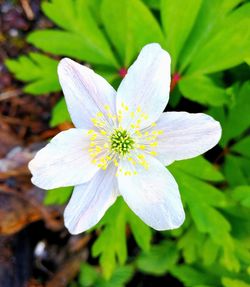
[90,201]
[185,135]
[152,194]
[86,92]
[65,161]
[146,85]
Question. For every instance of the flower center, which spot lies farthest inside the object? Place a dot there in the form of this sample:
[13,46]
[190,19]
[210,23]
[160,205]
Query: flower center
[121,142]
[109,142]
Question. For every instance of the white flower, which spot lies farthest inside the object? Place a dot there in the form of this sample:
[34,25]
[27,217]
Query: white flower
[122,143]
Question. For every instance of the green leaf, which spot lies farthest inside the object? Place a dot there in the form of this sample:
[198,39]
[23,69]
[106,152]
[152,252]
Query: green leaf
[242,194]
[199,167]
[237,170]
[80,38]
[236,119]
[60,114]
[210,251]
[65,20]
[160,259]
[38,71]
[154,4]
[141,232]
[191,187]
[190,244]
[89,276]
[111,243]
[203,201]
[119,279]
[134,27]
[191,276]
[58,195]
[242,147]
[202,204]
[216,55]
[229,282]
[109,74]
[203,90]
[248,60]
[67,44]
[178,18]
[198,247]
[211,14]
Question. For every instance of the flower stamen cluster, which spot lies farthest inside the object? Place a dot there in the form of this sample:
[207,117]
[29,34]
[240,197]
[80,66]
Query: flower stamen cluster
[110,142]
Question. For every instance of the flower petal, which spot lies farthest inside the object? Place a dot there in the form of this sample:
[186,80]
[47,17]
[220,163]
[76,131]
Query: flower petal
[90,201]
[86,93]
[146,86]
[152,194]
[65,161]
[185,135]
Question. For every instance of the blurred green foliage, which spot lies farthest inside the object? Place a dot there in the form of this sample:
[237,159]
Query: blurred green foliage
[206,39]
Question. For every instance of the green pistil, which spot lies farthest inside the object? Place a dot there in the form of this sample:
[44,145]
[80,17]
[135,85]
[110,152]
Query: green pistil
[121,142]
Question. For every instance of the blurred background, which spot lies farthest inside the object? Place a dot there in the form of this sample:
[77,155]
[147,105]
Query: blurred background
[209,42]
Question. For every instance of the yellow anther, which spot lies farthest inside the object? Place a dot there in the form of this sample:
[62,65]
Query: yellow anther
[90,132]
[103,160]
[138,122]
[125,107]
[138,109]
[154,153]
[103,132]
[132,115]
[107,107]
[142,147]
[98,148]
[155,133]
[154,144]
[99,114]
[93,137]
[138,133]
[141,156]
[127,173]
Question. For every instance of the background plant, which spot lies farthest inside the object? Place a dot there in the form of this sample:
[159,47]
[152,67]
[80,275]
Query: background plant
[209,42]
